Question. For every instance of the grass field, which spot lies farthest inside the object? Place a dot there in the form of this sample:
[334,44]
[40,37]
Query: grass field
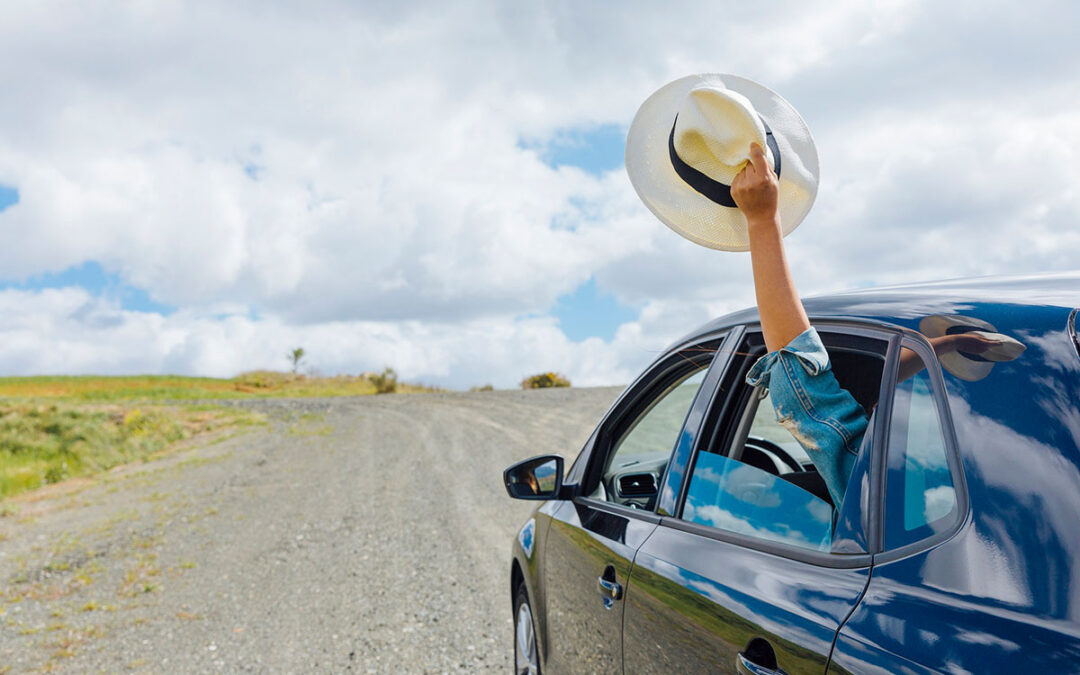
[48,442]
[59,427]
[176,388]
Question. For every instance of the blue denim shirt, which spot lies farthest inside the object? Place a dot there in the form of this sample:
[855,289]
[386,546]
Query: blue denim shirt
[823,417]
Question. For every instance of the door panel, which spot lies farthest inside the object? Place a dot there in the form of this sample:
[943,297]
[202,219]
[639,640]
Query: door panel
[695,602]
[905,625]
[592,540]
[586,541]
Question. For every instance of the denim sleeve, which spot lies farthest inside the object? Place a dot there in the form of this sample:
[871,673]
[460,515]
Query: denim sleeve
[823,417]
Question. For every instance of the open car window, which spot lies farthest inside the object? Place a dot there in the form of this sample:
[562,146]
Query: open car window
[754,478]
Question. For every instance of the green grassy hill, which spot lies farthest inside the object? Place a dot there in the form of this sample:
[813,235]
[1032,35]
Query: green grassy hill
[57,427]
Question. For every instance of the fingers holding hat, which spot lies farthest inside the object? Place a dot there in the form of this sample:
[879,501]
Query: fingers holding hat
[755,189]
[758,160]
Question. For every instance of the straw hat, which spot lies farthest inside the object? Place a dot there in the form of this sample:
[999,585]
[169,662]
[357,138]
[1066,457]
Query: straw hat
[971,367]
[692,137]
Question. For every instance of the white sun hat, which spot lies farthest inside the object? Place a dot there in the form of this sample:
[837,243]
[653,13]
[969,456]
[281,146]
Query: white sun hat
[971,367]
[692,137]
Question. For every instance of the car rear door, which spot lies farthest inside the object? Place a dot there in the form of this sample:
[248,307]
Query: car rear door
[746,572]
[591,542]
[978,537]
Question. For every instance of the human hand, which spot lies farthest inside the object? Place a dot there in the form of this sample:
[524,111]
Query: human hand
[975,343]
[969,343]
[756,190]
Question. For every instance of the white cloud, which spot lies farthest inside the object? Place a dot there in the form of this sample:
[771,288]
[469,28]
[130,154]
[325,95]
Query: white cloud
[60,331]
[394,216]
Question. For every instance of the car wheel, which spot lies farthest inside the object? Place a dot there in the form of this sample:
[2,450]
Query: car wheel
[526,658]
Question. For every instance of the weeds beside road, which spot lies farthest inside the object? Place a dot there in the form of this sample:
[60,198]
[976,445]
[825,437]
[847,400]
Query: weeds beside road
[172,388]
[47,442]
[366,534]
[61,427]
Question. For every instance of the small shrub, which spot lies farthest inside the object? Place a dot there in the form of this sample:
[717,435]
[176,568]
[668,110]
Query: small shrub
[485,387]
[384,382]
[545,380]
[295,357]
[56,473]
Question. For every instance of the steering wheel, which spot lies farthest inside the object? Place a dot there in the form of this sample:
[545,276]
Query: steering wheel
[769,446]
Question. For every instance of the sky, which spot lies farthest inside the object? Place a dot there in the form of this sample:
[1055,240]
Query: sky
[198,188]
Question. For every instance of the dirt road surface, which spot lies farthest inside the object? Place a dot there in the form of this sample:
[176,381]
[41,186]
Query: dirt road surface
[360,535]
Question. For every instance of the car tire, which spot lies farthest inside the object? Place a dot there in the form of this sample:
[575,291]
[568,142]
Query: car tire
[526,655]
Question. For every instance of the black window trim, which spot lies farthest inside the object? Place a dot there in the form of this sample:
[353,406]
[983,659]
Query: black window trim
[616,509]
[629,402]
[718,373]
[918,343]
[1072,327]
[884,332]
[817,558]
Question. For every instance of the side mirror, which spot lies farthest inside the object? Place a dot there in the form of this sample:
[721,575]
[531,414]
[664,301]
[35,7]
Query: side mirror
[536,478]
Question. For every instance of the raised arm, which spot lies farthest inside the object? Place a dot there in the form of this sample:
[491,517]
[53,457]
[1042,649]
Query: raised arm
[911,363]
[756,192]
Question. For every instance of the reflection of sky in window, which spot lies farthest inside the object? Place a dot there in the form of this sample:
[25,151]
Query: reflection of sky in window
[927,467]
[729,495]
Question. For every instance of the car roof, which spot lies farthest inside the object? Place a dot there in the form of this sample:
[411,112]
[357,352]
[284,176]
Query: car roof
[1047,296]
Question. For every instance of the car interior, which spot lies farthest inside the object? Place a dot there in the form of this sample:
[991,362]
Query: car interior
[639,457]
[759,441]
[640,453]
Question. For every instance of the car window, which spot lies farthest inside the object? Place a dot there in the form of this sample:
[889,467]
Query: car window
[730,495]
[756,479]
[920,494]
[642,441]
[765,427]
[657,428]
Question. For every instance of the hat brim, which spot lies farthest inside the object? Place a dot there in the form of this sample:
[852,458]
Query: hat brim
[691,214]
[956,363]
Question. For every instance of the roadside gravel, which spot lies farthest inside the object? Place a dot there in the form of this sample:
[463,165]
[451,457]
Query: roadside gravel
[368,535]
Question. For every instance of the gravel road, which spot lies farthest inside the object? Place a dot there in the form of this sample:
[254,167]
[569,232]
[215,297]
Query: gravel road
[367,535]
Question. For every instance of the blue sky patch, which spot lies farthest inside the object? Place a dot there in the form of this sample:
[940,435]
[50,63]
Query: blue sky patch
[9,197]
[589,312]
[595,149]
[93,278]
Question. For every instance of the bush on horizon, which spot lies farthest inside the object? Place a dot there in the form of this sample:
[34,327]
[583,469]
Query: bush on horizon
[545,380]
[385,382]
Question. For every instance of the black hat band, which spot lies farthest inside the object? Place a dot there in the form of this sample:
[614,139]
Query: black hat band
[707,187]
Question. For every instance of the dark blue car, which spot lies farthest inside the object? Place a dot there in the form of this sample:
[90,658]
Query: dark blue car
[693,533]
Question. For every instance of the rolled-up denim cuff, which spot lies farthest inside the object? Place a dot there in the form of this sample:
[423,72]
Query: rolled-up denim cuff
[806,347]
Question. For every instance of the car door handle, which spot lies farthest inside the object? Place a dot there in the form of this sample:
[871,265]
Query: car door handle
[745,666]
[610,590]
